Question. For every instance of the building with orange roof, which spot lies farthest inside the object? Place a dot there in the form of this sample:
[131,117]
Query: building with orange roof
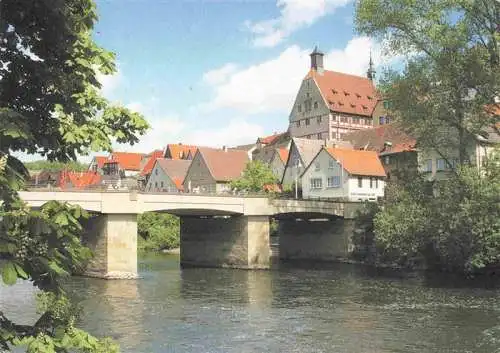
[349,174]
[212,170]
[179,151]
[330,104]
[167,175]
[97,163]
[278,162]
[79,180]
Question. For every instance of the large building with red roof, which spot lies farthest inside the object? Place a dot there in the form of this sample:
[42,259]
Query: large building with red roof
[330,104]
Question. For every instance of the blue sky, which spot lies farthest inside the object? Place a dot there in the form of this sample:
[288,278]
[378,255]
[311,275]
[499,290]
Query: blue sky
[221,72]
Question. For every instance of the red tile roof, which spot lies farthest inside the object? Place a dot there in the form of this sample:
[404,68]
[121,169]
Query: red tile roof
[375,139]
[152,157]
[283,152]
[358,162]
[126,160]
[346,93]
[270,139]
[79,180]
[100,160]
[179,151]
[224,165]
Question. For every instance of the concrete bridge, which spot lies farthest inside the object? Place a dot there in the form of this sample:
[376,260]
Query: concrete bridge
[220,231]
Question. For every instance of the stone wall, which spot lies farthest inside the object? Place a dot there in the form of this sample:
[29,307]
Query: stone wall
[328,240]
[113,240]
[237,242]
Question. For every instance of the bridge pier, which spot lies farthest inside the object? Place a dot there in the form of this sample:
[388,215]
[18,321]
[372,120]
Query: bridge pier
[309,239]
[225,241]
[113,240]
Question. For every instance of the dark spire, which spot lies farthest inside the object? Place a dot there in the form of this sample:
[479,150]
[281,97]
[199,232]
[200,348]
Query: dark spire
[316,59]
[371,71]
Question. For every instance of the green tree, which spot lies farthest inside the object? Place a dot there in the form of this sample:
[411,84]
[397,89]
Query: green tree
[53,166]
[255,176]
[160,231]
[452,75]
[454,225]
[51,104]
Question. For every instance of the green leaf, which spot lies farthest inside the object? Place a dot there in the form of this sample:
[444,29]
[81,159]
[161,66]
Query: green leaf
[20,272]
[9,274]
[61,219]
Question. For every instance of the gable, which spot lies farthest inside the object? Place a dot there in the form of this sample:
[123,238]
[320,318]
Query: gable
[304,104]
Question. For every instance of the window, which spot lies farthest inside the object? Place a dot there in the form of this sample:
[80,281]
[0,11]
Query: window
[307,122]
[360,182]
[333,182]
[161,183]
[371,183]
[308,105]
[376,183]
[156,171]
[319,136]
[316,183]
[428,165]
[298,123]
[440,164]
[355,120]
[381,120]
[317,166]
[299,108]
[156,184]
[387,120]
[307,94]
[387,160]
[318,120]
[315,105]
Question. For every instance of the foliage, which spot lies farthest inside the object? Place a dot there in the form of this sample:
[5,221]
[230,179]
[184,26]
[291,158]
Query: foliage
[456,229]
[53,166]
[255,176]
[159,230]
[51,104]
[452,49]
[363,238]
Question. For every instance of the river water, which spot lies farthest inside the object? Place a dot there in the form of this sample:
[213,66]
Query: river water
[339,308]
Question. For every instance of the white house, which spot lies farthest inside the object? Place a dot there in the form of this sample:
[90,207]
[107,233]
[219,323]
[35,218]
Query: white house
[352,175]
[167,175]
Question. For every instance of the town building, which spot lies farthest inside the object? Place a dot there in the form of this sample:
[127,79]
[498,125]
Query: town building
[212,170]
[331,104]
[302,152]
[268,144]
[179,151]
[396,149]
[346,174]
[167,175]
[278,162]
[148,163]
[97,163]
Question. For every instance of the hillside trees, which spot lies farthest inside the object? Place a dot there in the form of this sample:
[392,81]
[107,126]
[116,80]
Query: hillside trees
[51,104]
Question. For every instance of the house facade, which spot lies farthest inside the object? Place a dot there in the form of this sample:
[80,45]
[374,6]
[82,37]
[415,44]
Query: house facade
[330,104]
[212,170]
[351,175]
[278,162]
[167,175]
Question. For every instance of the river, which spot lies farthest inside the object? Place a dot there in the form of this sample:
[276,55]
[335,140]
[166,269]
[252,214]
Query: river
[335,308]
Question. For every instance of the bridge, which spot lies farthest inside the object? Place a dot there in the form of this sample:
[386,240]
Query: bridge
[219,231]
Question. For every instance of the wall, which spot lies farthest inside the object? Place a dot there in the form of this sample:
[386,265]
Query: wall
[277,166]
[309,91]
[290,170]
[315,240]
[342,124]
[365,192]
[237,242]
[113,240]
[323,159]
[158,176]
[199,176]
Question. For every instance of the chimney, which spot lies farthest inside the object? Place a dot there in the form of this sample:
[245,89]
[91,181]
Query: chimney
[317,60]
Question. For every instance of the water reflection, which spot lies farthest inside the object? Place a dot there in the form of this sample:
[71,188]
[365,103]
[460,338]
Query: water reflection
[338,308]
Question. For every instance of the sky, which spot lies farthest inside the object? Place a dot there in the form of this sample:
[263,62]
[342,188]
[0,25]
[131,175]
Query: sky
[221,72]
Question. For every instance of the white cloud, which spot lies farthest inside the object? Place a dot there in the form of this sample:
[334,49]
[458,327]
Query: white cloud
[294,14]
[220,75]
[236,132]
[271,86]
[109,83]
[164,129]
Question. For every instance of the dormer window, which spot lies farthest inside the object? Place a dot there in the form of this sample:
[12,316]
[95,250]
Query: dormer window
[341,104]
[369,97]
[358,95]
[353,105]
[334,91]
[364,106]
[346,93]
